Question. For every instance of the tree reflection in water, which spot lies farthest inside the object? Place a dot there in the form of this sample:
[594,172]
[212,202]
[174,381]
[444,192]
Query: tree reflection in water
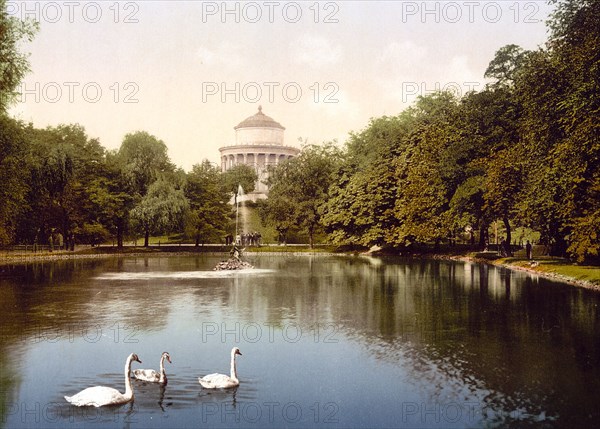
[519,348]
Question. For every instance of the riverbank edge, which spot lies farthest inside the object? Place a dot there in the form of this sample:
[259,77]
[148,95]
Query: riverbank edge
[100,252]
[505,263]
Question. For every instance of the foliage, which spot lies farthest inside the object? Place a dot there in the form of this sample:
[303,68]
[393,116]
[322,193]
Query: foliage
[209,212]
[62,162]
[13,63]
[298,187]
[13,177]
[144,160]
[110,202]
[93,233]
[560,95]
[524,151]
[160,210]
[361,200]
[505,66]
[426,173]
[240,175]
[278,211]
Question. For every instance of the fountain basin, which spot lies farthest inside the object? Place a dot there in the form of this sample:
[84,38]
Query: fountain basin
[232,264]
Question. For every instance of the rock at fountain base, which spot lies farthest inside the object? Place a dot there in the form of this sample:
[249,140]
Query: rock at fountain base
[232,264]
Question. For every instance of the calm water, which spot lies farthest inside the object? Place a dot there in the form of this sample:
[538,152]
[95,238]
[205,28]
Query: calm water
[326,342]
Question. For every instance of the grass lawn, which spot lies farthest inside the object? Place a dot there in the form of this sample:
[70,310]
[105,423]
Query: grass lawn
[558,266]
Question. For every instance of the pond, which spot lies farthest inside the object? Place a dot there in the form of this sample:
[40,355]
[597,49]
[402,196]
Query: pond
[326,341]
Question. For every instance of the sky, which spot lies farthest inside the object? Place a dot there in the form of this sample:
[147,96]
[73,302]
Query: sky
[187,72]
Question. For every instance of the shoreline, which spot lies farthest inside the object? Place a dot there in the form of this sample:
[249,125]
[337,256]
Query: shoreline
[509,263]
[503,263]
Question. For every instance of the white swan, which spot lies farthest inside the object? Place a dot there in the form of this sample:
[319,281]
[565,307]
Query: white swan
[151,375]
[221,381]
[101,395]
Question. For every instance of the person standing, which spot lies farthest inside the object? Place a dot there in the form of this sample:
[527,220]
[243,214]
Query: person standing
[528,249]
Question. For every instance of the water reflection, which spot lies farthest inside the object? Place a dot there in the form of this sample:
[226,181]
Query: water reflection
[506,348]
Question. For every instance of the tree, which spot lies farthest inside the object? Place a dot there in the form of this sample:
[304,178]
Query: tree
[14,177]
[144,159]
[240,175]
[160,210]
[111,200]
[502,186]
[13,64]
[63,162]
[560,95]
[466,207]
[360,206]
[486,153]
[505,66]
[279,213]
[422,196]
[93,233]
[209,212]
[302,183]
[427,174]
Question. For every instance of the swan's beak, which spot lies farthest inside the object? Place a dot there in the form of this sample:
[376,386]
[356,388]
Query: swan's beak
[237,352]
[169,359]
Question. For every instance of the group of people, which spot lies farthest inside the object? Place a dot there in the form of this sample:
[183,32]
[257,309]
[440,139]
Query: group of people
[56,241]
[505,248]
[245,239]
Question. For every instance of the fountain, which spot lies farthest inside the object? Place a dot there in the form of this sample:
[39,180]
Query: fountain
[235,262]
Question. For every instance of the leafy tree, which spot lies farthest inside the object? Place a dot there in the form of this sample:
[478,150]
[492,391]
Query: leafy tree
[505,66]
[360,207]
[111,199]
[144,159]
[302,183]
[93,233]
[486,152]
[13,63]
[560,95]
[240,175]
[63,163]
[209,212]
[466,207]
[161,209]
[13,177]
[422,195]
[427,175]
[503,183]
[278,212]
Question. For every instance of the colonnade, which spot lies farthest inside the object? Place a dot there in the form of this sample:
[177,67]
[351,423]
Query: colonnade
[258,160]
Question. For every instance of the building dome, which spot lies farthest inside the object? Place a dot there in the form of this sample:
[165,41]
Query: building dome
[259,120]
[259,144]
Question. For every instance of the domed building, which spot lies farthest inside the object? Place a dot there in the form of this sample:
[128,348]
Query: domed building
[259,144]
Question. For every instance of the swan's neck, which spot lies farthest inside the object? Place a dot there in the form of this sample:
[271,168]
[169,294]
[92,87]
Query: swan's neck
[233,370]
[128,388]
[163,375]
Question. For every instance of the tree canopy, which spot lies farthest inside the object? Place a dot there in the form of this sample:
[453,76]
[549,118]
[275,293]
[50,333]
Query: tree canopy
[14,64]
[524,152]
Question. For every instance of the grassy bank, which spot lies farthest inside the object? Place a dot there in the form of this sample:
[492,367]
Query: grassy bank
[561,269]
[558,268]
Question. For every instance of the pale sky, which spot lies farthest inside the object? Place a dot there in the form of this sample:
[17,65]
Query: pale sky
[189,71]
